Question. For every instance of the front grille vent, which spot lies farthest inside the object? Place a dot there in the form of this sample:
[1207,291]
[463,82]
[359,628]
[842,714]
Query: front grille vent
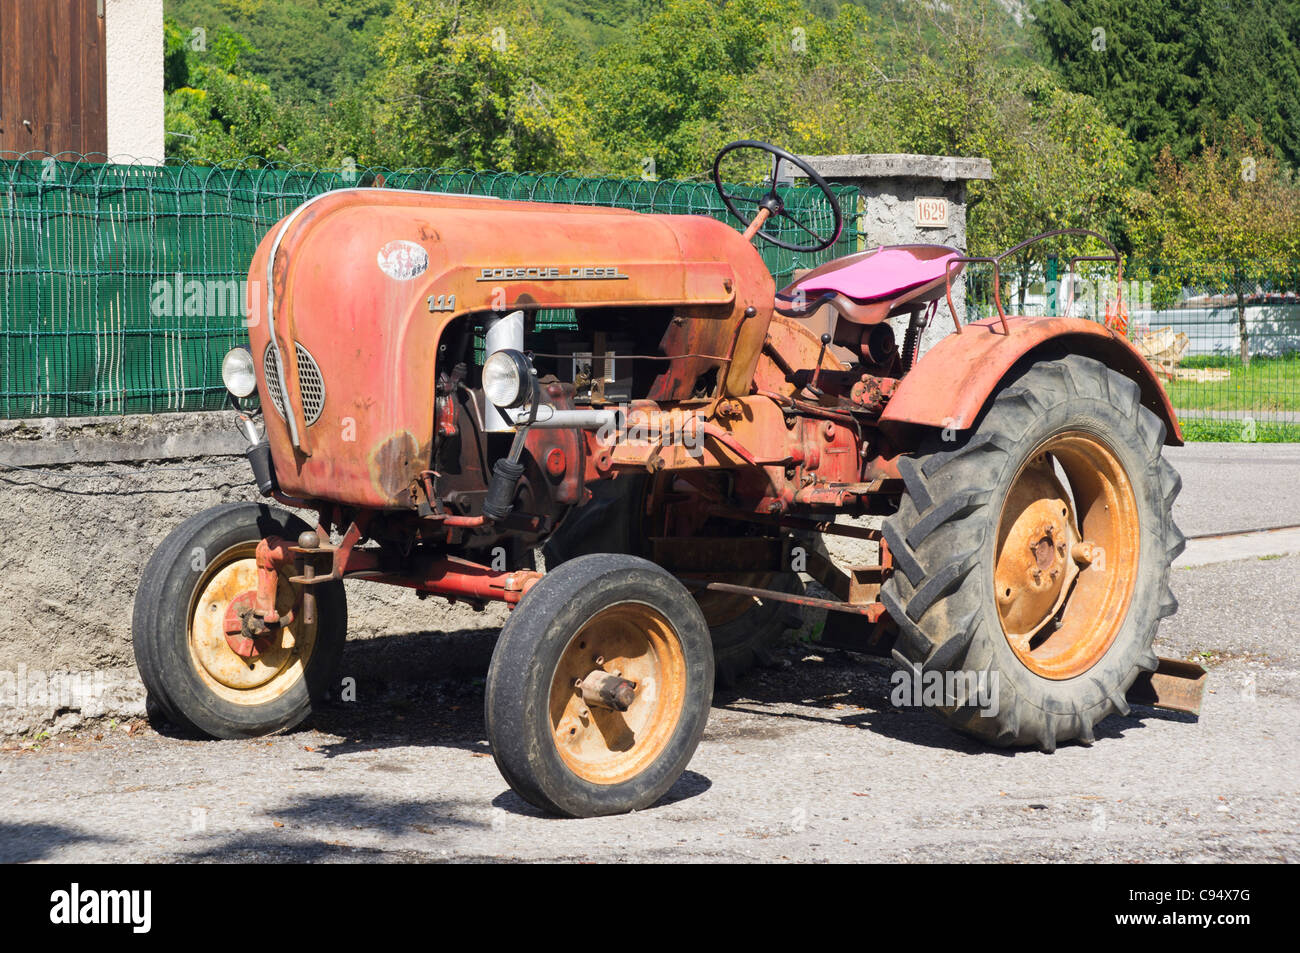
[310,383]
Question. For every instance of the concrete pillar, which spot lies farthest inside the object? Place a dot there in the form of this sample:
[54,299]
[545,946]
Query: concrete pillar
[890,186]
[133,40]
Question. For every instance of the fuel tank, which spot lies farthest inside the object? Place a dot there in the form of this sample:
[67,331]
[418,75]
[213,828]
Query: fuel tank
[350,295]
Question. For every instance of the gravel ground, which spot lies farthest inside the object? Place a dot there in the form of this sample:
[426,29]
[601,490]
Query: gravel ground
[806,761]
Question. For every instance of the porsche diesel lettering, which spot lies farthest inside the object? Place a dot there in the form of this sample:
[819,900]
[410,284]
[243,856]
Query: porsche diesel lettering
[569,273]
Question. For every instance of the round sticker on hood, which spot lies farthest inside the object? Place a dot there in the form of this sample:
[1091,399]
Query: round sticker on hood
[403,260]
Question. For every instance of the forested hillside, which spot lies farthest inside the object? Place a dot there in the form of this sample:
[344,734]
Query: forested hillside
[1094,112]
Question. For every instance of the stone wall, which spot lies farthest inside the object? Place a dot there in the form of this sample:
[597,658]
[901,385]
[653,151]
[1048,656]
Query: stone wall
[85,503]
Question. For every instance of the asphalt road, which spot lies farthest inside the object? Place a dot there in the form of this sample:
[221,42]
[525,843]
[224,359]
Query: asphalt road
[807,762]
[1230,487]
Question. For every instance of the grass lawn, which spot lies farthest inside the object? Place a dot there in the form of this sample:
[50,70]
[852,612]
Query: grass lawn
[1267,383]
[1235,431]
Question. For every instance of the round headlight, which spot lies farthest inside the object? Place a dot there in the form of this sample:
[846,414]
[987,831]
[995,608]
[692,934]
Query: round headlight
[507,378]
[237,372]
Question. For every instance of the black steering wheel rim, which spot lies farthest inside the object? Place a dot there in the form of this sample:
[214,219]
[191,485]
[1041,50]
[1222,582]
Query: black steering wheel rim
[772,201]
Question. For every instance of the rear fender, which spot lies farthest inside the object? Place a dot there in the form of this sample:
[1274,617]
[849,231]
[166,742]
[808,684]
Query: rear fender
[951,384]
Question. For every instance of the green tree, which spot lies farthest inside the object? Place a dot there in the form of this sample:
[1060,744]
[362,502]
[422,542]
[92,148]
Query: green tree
[1225,218]
[1167,70]
[475,84]
[1058,162]
[823,91]
[311,51]
[704,72]
[213,109]
[660,93]
[216,108]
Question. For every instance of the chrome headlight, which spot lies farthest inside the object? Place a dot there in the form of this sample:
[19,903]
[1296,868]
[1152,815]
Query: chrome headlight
[507,378]
[237,372]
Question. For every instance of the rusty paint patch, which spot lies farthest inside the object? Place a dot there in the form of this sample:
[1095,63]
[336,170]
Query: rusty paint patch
[395,465]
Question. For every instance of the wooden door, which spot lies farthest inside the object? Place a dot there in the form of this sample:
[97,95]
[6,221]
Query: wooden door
[52,76]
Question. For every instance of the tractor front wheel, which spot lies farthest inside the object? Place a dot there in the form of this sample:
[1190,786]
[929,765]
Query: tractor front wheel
[599,687]
[199,580]
[1032,557]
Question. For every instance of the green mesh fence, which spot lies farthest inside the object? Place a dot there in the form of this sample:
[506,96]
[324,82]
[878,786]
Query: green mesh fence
[121,286]
[1225,341]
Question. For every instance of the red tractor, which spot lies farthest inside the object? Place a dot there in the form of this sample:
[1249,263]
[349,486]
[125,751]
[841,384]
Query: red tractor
[674,448]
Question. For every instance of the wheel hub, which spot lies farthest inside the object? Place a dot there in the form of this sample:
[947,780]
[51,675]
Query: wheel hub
[603,690]
[237,654]
[247,636]
[1066,562]
[1034,570]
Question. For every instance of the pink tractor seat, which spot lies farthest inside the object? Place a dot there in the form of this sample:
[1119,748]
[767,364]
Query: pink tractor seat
[888,272]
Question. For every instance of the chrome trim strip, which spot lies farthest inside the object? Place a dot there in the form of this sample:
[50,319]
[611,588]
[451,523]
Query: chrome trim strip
[291,415]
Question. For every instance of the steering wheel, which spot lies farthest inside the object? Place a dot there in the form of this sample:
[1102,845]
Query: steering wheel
[770,204]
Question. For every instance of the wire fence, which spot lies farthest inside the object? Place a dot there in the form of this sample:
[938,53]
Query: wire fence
[122,285]
[1226,345]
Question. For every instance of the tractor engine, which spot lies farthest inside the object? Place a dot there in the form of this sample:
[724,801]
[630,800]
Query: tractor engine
[387,329]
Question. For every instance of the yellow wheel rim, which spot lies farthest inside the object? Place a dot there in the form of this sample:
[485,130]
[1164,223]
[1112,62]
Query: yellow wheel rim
[1065,569]
[635,642]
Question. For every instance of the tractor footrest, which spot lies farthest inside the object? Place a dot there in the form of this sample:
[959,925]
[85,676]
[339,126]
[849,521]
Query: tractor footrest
[859,585]
[312,580]
[1175,685]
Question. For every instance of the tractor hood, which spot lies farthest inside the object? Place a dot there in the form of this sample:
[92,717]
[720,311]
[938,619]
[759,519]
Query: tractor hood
[351,293]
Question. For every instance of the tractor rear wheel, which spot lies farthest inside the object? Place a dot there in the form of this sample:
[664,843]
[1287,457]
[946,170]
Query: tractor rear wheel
[745,631]
[599,687]
[198,579]
[1032,556]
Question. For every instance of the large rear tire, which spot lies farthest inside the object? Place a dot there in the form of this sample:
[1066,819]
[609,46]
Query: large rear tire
[608,616]
[178,634]
[1033,552]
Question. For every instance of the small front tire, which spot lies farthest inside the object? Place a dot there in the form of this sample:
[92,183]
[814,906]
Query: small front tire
[615,614]
[178,634]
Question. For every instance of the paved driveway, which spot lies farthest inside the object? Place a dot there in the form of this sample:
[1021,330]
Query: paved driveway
[807,762]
